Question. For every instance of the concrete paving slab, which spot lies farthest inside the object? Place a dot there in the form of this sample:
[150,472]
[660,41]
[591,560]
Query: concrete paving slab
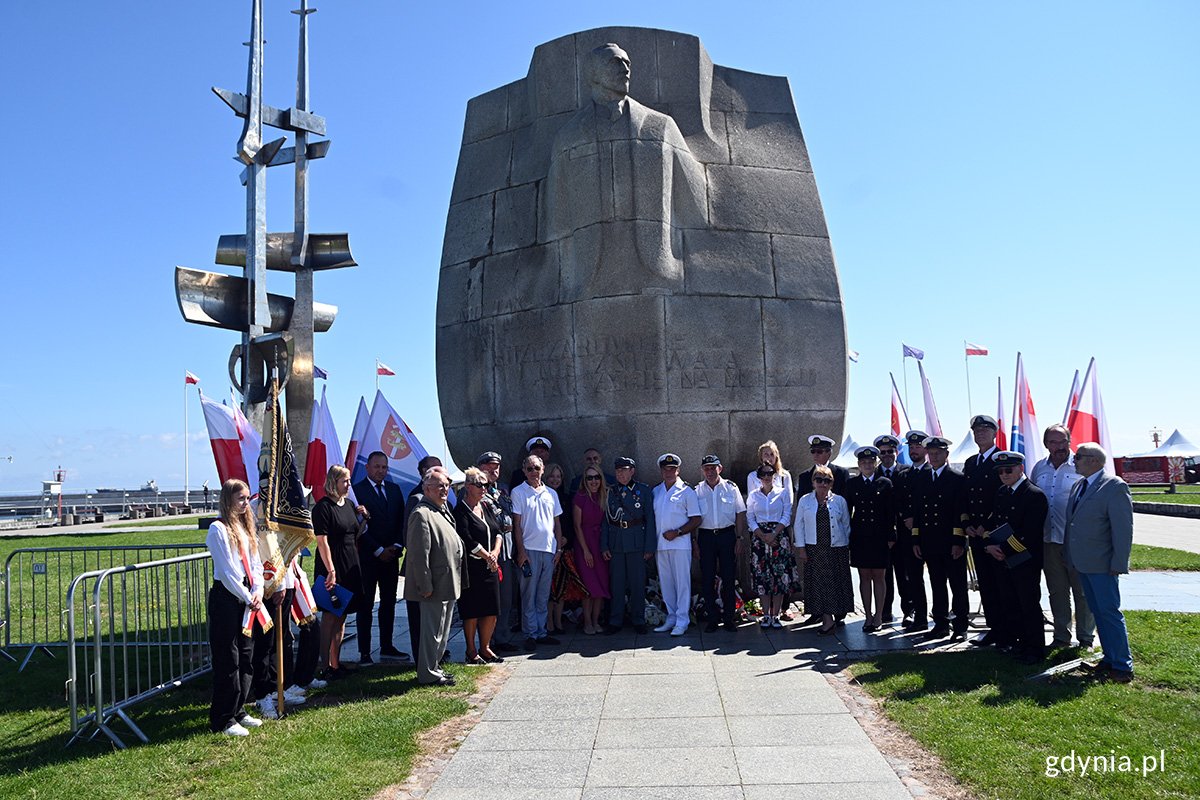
[678,732]
[565,664]
[665,793]
[491,792]
[556,685]
[654,663]
[532,734]
[515,769]
[752,702]
[663,766]
[813,764]
[639,703]
[807,729]
[531,707]
[892,790]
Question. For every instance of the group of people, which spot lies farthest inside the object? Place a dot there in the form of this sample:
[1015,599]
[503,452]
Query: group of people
[509,559]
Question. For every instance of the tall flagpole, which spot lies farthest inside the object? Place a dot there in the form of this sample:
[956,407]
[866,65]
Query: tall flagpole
[185,444]
[377,376]
[904,363]
[967,367]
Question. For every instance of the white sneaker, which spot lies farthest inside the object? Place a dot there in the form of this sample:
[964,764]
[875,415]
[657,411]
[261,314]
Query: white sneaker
[317,683]
[267,707]
[765,622]
[234,729]
[250,722]
[679,630]
[666,626]
[294,696]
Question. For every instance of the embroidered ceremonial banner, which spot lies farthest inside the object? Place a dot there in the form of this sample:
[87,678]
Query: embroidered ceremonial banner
[285,523]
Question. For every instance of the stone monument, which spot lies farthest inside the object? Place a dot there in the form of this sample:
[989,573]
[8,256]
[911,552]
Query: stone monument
[636,258]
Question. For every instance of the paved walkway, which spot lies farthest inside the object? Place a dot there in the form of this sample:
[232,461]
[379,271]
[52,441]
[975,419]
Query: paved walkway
[1179,533]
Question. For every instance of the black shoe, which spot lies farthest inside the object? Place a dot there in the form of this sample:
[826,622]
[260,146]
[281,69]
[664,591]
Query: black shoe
[548,640]
[827,631]
[840,621]
[712,626]
[916,625]
[984,640]
[731,624]
[392,652]
[445,680]
[641,629]
[958,636]
[505,647]
[888,618]
[531,643]
[869,628]
[938,632]
[811,619]
[477,661]
[365,661]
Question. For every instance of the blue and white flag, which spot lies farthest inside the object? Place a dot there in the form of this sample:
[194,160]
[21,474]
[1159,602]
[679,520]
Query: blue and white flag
[320,373]
[912,352]
[852,355]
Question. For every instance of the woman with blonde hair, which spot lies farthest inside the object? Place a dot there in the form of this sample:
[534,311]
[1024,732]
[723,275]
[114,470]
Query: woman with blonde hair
[481,535]
[337,524]
[587,511]
[768,453]
[237,588]
[823,545]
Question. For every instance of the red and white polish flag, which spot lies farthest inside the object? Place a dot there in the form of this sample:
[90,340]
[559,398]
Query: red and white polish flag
[975,349]
[1001,435]
[223,436]
[324,449]
[1088,422]
[189,379]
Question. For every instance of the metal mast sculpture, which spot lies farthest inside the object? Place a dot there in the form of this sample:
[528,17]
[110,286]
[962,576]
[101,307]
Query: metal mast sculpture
[277,331]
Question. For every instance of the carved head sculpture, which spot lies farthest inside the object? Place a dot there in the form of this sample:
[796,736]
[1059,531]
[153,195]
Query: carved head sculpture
[608,73]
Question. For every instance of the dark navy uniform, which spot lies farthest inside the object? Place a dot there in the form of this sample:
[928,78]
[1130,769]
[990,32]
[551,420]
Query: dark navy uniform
[629,534]
[1019,589]
[872,521]
[982,484]
[939,509]
[896,580]
[911,578]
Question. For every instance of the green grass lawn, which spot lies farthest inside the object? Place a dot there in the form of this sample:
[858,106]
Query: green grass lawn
[191,521]
[348,741]
[994,730]
[1184,495]
[1143,556]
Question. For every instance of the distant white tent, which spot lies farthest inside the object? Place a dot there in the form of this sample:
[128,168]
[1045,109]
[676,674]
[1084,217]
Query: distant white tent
[845,457]
[965,448]
[1176,446]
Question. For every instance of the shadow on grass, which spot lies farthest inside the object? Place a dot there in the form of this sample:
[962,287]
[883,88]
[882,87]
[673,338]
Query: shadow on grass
[35,724]
[918,675]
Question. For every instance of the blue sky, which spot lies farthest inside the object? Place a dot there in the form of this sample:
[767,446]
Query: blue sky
[1020,175]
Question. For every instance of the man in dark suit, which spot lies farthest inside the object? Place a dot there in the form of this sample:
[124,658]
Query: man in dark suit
[983,483]
[901,554]
[1017,602]
[379,551]
[914,568]
[1098,538]
[939,512]
[821,449]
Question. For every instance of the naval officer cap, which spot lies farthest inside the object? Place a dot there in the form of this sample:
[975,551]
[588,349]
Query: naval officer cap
[817,440]
[932,442]
[668,460]
[887,440]
[624,461]
[490,457]
[1007,458]
[710,460]
[983,421]
[867,451]
[916,437]
[538,440]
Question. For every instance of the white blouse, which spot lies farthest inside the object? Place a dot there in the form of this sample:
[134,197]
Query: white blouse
[228,567]
[773,507]
[806,520]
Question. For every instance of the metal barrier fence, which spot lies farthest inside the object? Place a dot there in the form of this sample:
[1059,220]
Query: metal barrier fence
[35,586]
[135,632]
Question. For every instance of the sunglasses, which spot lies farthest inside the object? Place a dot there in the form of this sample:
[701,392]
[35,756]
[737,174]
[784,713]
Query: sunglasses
[592,478]
[822,480]
[533,469]
[478,484]
[888,452]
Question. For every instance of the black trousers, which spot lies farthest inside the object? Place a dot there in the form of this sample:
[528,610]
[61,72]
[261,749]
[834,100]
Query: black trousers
[232,653]
[946,572]
[413,609]
[265,671]
[385,575]
[895,579]
[301,649]
[717,560]
[987,572]
[1019,607]
[914,579]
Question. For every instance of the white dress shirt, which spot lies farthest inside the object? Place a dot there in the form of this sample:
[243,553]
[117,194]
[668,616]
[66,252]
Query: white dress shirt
[773,507]
[227,564]
[673,507]
[1057,484]
[719,506]
[806,521]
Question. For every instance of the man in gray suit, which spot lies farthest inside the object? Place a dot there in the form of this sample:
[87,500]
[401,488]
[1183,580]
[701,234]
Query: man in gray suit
[433,573]
[1098,538]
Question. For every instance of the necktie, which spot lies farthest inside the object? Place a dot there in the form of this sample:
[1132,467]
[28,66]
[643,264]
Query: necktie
[1082,488]
[933,476]
[380,492]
